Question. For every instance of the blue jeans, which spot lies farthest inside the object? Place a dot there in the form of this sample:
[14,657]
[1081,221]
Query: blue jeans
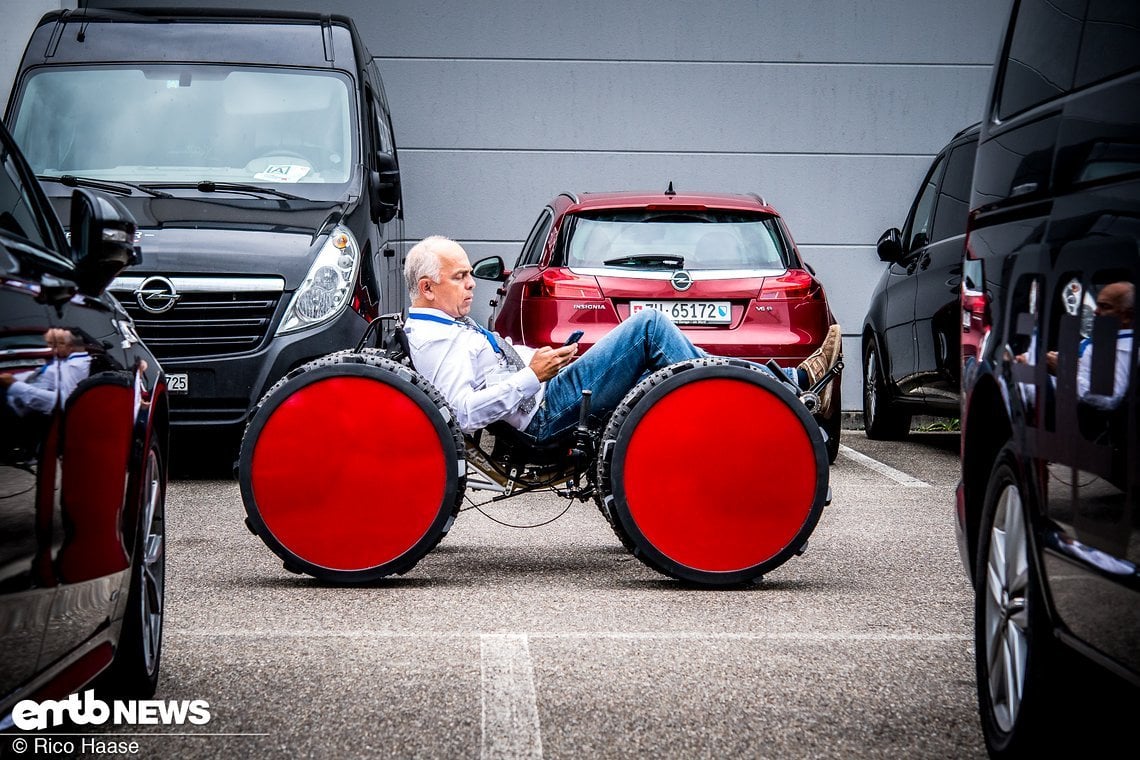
[642,344]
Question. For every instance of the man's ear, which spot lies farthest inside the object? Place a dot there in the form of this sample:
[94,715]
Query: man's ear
[425,288]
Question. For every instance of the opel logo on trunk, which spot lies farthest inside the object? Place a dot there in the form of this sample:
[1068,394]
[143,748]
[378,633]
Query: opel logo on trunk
[157,295]
[681,280]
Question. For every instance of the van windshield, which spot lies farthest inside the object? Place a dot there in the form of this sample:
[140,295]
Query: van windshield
[189,124]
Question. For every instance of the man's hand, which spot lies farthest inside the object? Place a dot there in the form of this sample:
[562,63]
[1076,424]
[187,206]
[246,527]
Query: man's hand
[547,361]
[1050,361]
[6,380]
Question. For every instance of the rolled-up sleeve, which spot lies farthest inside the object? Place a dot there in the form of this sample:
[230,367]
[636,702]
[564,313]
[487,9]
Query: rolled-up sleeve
[39,396]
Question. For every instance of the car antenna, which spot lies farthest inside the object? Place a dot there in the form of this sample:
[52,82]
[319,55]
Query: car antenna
[669,190]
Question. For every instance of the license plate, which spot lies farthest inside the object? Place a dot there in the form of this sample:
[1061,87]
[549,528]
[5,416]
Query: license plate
[688,312]
[178,383]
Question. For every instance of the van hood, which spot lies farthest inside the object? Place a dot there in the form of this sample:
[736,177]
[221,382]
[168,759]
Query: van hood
[227,236]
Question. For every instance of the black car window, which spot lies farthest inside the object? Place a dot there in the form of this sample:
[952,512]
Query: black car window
[1110,41]
[954,194]
[18,212]
[536,241]
[916,234]
[1042,54]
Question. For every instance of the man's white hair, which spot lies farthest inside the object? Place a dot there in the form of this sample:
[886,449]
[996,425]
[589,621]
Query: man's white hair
[423,261]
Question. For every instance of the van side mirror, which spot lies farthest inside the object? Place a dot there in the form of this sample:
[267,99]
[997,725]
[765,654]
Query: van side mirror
[102,239]
[385,190]
[491,268]
[890,245]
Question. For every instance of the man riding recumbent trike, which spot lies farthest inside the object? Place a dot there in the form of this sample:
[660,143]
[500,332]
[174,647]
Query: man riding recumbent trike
[709,469]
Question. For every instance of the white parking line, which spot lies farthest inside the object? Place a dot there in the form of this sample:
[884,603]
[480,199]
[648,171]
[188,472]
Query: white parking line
[510,714]
[874,464]
[810,637]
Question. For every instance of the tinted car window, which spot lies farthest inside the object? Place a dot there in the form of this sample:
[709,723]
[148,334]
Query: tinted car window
[17,211]
[701,239]
[1111,37]
[954,195]
[1042,54]
[535,242]
[917,232]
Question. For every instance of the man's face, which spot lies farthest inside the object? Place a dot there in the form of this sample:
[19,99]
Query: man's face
[456,287]
[1112,301]
[55,342]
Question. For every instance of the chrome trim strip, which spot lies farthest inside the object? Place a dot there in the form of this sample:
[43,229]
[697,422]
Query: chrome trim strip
[666,274]
[206,284]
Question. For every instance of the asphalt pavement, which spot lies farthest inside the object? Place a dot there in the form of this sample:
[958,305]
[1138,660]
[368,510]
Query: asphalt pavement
[554,642]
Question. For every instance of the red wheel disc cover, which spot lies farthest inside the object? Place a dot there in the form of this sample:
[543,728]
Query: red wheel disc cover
[348,473]
[719,475]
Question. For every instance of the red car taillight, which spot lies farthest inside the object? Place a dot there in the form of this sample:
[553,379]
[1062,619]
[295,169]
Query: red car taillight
[561,283]
[976,319]
[793,284]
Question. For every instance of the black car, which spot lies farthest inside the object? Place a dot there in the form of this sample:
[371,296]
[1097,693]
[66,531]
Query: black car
[911,334]
[255,149]
[83,453]
[1048,507]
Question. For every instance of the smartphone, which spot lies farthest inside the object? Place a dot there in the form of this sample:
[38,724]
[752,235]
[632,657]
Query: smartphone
[574,337]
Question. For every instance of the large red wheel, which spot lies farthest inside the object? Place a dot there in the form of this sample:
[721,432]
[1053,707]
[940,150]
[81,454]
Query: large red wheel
[351,468]
[713,472]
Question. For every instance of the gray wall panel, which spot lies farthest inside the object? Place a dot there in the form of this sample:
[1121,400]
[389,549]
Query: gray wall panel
[19,19]
[841,31]
[496,195]
[682,107]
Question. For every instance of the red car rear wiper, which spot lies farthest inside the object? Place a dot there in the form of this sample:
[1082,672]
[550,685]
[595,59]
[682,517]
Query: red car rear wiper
[648,260]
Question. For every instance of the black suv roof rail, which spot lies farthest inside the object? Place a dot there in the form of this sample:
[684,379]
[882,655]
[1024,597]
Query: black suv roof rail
[977,127]
[759,198]
[155,13]
[572,196]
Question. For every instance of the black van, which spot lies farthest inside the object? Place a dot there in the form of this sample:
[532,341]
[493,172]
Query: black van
[255,150]
[1048,507]
[911,360]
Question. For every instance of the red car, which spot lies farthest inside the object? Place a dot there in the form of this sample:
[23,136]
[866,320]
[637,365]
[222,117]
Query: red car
[723,267]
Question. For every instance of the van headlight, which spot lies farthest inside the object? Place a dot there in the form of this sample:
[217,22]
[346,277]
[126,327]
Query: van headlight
[328,286]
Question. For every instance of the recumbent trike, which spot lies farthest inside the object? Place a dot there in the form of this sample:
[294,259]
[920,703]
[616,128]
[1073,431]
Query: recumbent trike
[710,470]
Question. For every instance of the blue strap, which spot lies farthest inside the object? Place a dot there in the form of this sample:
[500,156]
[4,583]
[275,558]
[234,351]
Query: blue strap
[490,336]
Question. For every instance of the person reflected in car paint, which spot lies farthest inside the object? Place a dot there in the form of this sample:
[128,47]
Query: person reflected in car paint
[41,389]
[28,399]
[1115,300]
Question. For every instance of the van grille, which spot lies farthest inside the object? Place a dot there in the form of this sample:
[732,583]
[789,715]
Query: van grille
[210,316]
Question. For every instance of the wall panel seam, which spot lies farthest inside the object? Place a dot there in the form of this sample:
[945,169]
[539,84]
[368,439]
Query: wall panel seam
[674,62]
[625,152]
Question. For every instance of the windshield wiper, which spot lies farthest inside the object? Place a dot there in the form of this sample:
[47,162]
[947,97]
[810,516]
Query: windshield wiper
[208,186]
[111,186]
[649,260]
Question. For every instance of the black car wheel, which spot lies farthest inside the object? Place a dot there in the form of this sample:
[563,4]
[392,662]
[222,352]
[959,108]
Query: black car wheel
[881,420]
[1012,648]
[134,671]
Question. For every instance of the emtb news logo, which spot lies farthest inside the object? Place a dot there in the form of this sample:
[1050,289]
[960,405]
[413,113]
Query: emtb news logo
[30,715]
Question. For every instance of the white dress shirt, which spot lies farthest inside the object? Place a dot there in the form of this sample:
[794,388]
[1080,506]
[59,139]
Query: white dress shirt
[1121,372]
[475,379]
[38,391]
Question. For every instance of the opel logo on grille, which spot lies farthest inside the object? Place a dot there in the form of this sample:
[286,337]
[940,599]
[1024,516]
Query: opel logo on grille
[157,295]
[681,280]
